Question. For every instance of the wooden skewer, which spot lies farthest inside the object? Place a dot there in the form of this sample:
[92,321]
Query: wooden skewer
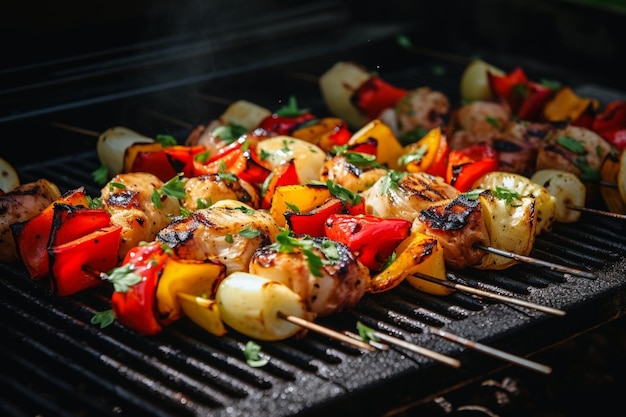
[326,331]
[488,294]
[491,351]
[600,212]
[80,130]
[538,262]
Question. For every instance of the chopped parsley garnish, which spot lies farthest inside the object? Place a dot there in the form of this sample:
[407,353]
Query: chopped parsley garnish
[366,333]
[229,133]
[249,232]
[100,175]
[251,353]
[286,243]
[414,156]
[346,196]
[122,278]
[391,180]
[290,109]
[172,188]
[506,194]
[114,185]
[166,140]
[573,145]
[103,318]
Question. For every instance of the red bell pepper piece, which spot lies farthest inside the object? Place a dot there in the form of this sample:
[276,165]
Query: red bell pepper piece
[612,118]
[32,236]
[312,222]
[372,239]
[368,146]
[287,119]
[71,222]
[235,159]
[98,249]
[616,138]
[136,307]
[466,166]
[284,174]
[168,161]
[535,98]
[376,95]
[507,87]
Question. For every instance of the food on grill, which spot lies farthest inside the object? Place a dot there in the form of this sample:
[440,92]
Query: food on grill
[567,190]
[474,84]
[112,145]
[354,171]
[357,96]
[610,173]
[250,304]
[307,157]
[457,224]
[323,272]
[9,179]
[228,232]
[515,186]
[135,203]
[203,191]
[19,205]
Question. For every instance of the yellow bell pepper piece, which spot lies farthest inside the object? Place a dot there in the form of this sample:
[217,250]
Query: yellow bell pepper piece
[419,253]
[204,312]
[389,148]
[567,106]
[199,278]
[297,198]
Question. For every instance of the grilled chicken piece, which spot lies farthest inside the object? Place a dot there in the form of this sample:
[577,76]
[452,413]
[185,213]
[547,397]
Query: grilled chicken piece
[128,198]
[404,195]
[518,145]
[352,176]
[457,224]
[477,122]
[574,149]
[19,205]
[422,108]
[228,233]
[342,284]
[205,190]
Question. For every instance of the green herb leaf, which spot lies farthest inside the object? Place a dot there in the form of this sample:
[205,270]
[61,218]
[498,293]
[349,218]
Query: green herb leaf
[573,145]
[122,278]
[415,156]
[251,353]
[94,202]
[249,232]
[229,133]
[100,175]
[166,140]
[290,109]
[103,318]
[506,194]
[366,333]
[391,180]
[346,196]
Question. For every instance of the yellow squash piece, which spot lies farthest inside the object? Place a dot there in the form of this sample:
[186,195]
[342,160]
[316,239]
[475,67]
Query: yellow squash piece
[567,106]
[389,148]
[418,253]
[567,190]
[297,198]
[204,312]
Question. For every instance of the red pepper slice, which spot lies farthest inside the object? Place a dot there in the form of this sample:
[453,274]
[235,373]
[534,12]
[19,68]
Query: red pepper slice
[466,166]
[166,162]
[98,249]
[236,160]
[137,307]
[284,125]
[371,238]
[616,138]
[32,236]
[376,95]
[284,174]
[535,99]
[312,222]
[612,118]
[507,86]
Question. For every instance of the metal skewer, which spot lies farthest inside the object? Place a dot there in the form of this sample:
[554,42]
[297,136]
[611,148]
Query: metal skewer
[534,261]
[488,294]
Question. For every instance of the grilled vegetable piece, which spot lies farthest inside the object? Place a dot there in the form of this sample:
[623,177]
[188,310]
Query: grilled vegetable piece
[508,184]
[244,113]
[148,283]
[339,85]
[389,148]
[97,249]
[417,253]
[511,225]
[19,207]
[9,179]
[297,198]
[567,190]
[610,173]
[474,83]
[250,304]
[308,157]
[203,311]
[371,238]
[112,145]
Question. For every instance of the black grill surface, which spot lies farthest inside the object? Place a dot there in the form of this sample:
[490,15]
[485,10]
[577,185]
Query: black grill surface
[56,363]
